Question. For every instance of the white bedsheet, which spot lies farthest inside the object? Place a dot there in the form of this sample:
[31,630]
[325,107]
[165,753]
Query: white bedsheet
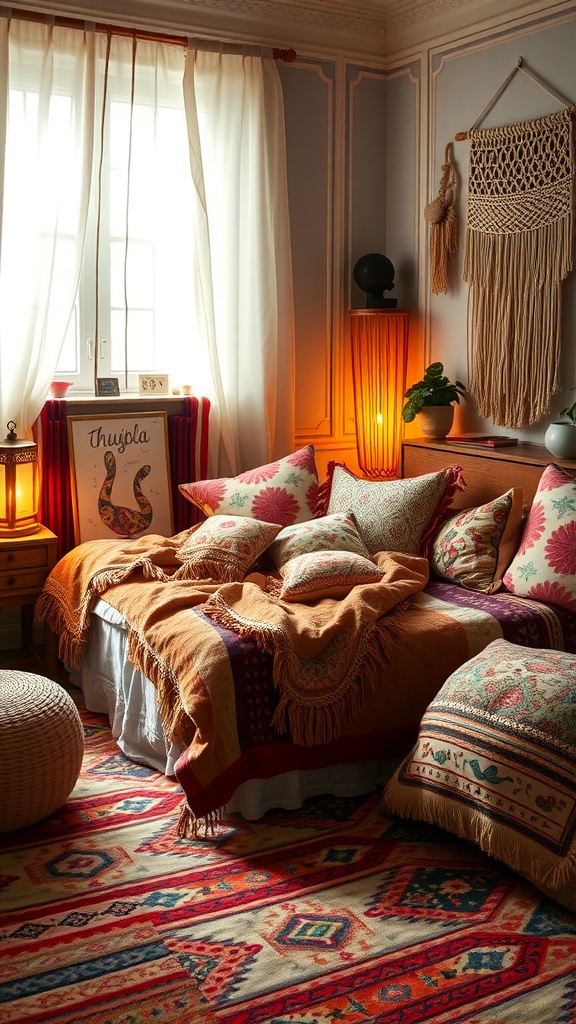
[113,686]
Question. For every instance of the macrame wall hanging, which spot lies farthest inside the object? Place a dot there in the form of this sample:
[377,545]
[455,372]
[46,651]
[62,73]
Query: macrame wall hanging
[519,248]
[441,215]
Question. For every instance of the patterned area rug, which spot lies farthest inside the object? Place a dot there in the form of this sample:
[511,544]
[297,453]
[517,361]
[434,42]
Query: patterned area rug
[327,914]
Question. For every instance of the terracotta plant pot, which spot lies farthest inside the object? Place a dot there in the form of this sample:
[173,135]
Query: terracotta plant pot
[436,420]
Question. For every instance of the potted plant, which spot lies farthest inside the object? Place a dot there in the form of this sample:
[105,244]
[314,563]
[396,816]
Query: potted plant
[560,437]
[432,398]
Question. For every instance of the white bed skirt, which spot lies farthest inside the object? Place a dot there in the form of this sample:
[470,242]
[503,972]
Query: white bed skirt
[113,686]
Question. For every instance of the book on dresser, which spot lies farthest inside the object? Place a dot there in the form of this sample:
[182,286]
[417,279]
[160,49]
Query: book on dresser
[483,440]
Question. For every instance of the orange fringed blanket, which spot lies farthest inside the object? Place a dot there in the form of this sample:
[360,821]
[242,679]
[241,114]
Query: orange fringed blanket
[327,655]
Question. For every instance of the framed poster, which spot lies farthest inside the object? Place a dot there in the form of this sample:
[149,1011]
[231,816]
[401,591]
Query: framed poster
[120,475]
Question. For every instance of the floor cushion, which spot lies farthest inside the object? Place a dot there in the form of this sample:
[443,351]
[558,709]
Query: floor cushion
[495,763]
[41,748]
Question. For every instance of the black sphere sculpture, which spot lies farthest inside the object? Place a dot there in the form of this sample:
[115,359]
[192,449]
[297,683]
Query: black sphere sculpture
[374,274]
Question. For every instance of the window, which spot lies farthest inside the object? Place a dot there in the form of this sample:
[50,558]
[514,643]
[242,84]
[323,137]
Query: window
[136,280]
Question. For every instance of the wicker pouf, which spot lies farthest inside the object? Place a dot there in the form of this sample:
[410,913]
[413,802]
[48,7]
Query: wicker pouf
[41,747]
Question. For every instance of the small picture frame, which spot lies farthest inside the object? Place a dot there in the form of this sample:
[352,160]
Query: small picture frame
[107,386]
[152,383]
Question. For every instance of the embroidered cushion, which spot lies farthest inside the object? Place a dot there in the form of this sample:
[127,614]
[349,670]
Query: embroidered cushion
[223,548]
[394,515]
[336,532]
[474,547]
[282,492]
[495,763]
[319,574]
[544,567]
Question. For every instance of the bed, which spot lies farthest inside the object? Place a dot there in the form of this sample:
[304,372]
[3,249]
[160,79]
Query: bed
[182,647]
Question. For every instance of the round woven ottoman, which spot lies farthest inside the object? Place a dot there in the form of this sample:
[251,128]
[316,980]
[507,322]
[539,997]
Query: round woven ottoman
[41,747]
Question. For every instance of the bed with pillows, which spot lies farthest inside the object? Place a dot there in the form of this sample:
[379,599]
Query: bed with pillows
[290,644]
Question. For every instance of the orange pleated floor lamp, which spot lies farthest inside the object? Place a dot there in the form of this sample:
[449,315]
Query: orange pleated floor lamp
[379,336]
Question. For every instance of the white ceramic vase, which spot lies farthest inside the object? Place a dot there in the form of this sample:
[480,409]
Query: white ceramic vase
[560,440]
[436,420]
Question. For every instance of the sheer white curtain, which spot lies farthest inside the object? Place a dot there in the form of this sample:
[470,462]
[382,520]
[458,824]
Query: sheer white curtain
[47,99]
[222,277]
[243,278]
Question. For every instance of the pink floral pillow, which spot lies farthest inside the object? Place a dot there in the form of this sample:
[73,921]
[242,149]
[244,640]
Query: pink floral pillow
[326,574]
[544,567]
[283,492]
[223,548]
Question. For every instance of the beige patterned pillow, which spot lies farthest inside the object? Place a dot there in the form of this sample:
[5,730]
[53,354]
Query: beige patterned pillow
[475,547]
[336,532]
[223,548]
[394,515]
[319,574]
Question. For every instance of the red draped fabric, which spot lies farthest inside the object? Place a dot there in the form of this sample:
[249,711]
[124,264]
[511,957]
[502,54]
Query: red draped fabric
[188,444]
[188,451]
[55,510]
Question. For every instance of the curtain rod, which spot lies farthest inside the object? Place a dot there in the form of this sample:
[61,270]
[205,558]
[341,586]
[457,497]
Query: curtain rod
[287,55]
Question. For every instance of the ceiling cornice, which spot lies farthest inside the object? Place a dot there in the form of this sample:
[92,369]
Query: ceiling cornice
[369,29]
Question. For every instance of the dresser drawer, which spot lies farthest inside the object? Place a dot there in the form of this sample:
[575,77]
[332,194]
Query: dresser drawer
[23,558]
[21,580]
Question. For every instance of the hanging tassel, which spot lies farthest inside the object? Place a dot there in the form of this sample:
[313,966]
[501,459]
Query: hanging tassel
[441,215]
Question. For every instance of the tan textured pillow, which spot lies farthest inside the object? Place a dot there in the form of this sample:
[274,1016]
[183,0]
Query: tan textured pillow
[475,547]
[224,548]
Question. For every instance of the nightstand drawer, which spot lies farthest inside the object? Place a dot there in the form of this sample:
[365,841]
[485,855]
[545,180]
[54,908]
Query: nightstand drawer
[23,558]
[19,580]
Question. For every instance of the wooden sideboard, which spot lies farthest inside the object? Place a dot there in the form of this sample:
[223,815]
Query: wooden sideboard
[488,472]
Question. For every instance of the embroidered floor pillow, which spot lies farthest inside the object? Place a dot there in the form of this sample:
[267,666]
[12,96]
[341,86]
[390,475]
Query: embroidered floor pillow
[474,547]
[281,492]
[495,763]
[544,567]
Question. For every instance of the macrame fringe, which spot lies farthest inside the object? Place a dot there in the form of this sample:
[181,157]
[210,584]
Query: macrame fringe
[494,838]
[519,248]
[190,827]
[441,215]
[516,318]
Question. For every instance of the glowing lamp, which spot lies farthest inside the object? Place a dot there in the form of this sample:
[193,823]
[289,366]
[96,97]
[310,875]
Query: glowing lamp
[379,340]
[18,485]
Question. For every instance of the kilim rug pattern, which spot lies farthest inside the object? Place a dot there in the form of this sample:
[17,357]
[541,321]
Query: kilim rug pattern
[330,913]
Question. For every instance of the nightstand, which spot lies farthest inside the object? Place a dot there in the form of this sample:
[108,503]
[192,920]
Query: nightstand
[24,565]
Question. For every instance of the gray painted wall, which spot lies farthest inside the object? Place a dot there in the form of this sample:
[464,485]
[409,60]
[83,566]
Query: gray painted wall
[366,144]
